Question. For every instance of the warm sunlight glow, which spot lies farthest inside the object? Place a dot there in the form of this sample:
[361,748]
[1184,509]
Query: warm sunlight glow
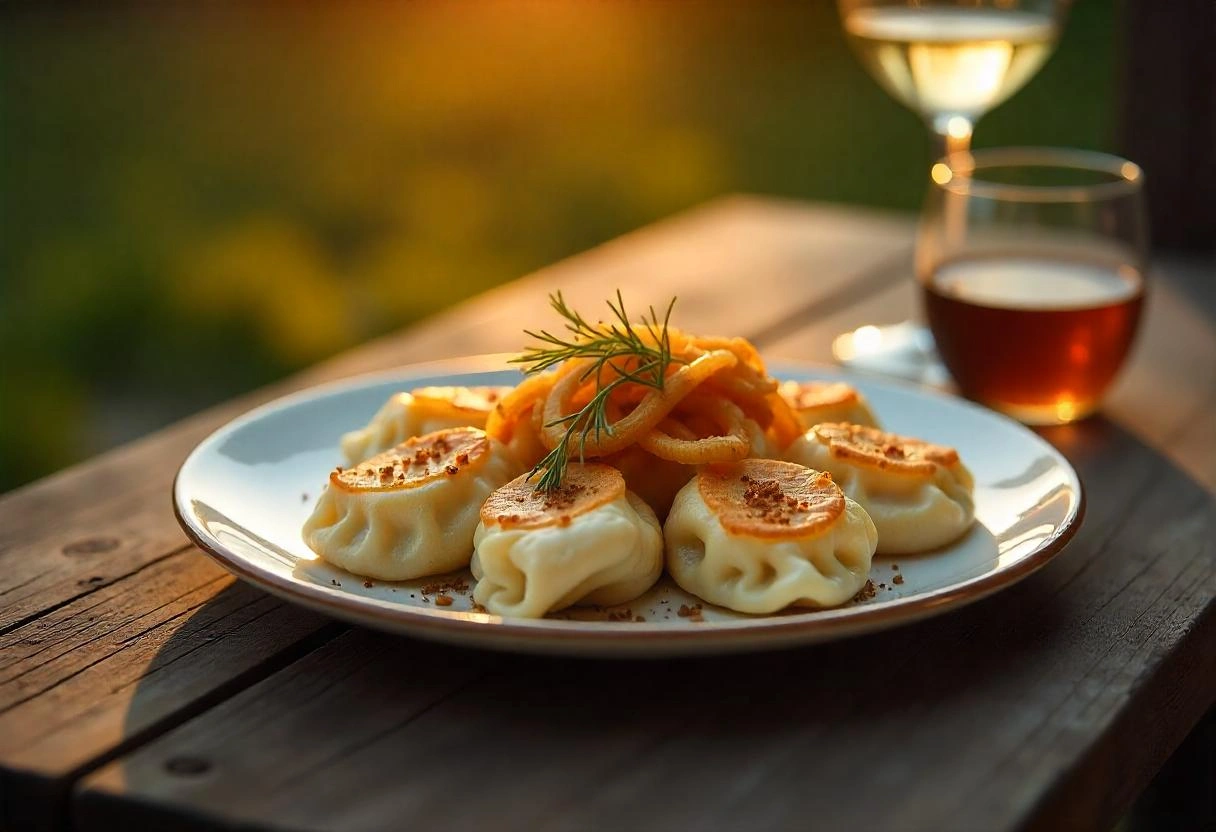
[867,339]
[941,173]
[1130,171]
[958,127]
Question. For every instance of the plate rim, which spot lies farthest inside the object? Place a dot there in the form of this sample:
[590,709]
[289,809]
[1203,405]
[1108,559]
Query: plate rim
[609,637]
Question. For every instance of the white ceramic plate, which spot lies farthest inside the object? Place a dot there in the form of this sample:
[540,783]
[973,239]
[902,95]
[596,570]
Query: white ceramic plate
[245,491]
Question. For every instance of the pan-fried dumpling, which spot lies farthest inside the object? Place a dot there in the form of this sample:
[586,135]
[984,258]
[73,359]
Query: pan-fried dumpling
[419,412]
[591,541]
[918,494]
[816,402]
[410,511]
[762,535]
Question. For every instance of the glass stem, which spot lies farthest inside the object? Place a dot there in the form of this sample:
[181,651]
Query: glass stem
[950,134]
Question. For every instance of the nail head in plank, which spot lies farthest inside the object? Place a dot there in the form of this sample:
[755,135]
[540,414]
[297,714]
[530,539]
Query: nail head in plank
[980,719]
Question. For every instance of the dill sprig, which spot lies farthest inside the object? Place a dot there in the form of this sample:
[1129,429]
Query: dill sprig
[611,345]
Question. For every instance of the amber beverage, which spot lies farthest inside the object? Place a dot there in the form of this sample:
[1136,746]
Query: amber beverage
[1040,339]
[1031,265]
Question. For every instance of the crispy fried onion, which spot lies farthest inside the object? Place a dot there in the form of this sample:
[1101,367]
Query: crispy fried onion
[716,405]
[680,443]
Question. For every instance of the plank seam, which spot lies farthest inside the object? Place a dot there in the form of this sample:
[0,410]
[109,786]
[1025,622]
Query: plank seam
[1035,816]
[118,648]
[387,731]
[20,585]
[32,617]
[234,686]
[1078,687]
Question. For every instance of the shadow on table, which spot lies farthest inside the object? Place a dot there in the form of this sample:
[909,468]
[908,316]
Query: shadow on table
[923,717]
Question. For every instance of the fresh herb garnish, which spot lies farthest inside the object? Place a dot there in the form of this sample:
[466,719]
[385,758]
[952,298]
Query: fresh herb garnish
[614,345]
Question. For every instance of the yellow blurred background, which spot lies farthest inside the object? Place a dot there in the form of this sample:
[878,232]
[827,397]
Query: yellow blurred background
[199,198]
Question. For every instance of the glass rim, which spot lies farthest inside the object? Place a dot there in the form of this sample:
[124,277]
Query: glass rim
[961,173]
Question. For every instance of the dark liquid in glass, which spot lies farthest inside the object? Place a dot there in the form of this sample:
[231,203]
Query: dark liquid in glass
[1040,339]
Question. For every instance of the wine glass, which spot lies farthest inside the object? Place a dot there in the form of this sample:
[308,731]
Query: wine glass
[1031,265]
[950,61]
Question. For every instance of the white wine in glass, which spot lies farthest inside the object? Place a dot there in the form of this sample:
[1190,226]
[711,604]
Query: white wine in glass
[952,62]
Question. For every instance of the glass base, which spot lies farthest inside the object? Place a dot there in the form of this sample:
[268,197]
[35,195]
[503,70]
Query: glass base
[1045,415]
[904,350]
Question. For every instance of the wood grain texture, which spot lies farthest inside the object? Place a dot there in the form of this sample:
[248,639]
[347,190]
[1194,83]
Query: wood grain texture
[1048,706]
[739,259]
[127,661]
[197,701]
[92,559]
[1001,716]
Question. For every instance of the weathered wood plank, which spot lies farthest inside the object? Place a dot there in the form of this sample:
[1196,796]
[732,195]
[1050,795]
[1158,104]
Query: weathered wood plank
[997,717]
[794,266]
[98,674]
[96,546]
[738,259]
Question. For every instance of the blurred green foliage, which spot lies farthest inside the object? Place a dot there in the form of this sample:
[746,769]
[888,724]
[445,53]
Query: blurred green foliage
[198,198]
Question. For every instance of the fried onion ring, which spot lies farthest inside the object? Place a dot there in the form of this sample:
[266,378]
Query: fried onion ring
[651,410]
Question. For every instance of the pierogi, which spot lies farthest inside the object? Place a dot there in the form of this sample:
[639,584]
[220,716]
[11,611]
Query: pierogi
[827,401]
[589,541]
[918,494]
[419,412]
[412,510]
[763,535]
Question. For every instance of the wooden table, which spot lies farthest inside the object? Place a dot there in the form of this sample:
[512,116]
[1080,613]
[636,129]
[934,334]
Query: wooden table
[141,687]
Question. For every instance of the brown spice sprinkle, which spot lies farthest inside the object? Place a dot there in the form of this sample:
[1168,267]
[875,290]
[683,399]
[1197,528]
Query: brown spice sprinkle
[518,505]
[768,498]
[873,448]
[443,600]
[458,585]
[416,461]
[866,592]
[898,579]
[686,611]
